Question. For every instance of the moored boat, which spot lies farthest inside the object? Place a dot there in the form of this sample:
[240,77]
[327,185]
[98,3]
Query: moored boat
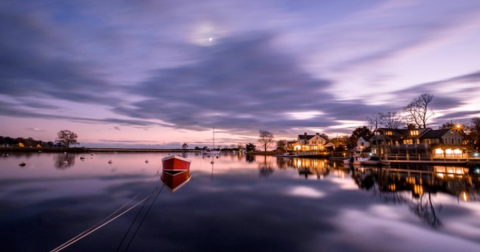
[176,172]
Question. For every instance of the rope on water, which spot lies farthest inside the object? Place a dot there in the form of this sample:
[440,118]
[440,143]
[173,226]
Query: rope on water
[144,217]
[65,245]
[89,230]
[131,225]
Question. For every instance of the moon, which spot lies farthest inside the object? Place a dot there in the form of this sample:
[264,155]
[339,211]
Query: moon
[210,39]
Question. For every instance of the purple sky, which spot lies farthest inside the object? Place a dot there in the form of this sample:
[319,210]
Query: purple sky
[160,73]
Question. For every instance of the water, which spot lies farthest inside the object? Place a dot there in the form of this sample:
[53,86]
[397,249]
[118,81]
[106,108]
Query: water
[238,204]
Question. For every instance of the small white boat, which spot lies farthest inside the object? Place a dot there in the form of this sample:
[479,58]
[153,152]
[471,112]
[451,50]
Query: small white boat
[355,158]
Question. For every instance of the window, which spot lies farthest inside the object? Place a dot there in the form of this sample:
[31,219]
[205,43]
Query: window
[453,142]
[414,132]
[459,141]
[408,141]
[389,133]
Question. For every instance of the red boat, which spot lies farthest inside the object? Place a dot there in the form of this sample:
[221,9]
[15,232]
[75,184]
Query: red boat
[176,172]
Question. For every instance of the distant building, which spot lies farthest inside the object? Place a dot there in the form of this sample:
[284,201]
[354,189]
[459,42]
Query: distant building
[307,142]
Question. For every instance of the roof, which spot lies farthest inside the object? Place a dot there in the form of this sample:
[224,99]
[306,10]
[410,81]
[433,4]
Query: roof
[435,133]
[366,138]
[307,137]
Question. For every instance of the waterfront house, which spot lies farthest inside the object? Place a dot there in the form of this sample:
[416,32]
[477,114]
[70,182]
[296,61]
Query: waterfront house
[307,142]
[427,142]
[363,142]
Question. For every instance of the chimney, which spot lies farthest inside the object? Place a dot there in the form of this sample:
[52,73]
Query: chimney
[305,134]
[318,134]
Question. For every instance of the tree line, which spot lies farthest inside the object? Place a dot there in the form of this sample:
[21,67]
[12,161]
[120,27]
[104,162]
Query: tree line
[65,138]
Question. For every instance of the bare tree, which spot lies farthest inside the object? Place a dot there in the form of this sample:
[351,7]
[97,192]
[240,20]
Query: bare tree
[474,132]
[184,146]
[66,138]
[374,121]
[281,144]
[418,110]
[265,139]
[391,120]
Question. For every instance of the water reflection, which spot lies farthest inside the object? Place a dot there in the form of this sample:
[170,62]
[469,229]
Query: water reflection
[412,185]
[265,168]
[63,161]
[284,212]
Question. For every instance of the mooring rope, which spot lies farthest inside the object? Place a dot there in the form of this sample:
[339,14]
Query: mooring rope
[89,230]
[144,217]
[131,225]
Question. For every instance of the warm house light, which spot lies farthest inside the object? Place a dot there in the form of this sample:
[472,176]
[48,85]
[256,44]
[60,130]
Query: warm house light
[457,151]
[464,196]
[448,151]
[438,151]
[414,132]
[418,189]
[410,180]
[392,187]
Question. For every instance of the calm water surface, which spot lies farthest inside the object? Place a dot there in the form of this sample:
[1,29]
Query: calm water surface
[238,204]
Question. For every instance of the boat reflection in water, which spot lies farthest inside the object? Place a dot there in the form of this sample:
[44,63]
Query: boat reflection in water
[176,172]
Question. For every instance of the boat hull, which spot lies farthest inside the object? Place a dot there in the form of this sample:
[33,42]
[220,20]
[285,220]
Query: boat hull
[176,172]
[175,180]
[176,163]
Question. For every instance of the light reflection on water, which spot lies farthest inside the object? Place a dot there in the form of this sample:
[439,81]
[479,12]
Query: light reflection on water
[238,203]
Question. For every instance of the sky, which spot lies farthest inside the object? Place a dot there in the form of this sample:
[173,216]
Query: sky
[161,73]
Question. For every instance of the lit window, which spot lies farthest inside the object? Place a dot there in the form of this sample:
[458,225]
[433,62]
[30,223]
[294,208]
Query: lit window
[389,133]
[414,132]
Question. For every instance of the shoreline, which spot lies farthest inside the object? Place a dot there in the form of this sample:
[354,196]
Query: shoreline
[87,150]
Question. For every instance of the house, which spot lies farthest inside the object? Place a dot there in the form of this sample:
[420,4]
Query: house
[307,142]
[363,142]
[439,143]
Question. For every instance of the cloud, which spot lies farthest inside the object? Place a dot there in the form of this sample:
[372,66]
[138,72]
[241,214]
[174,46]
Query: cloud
[10,109]
[241,83]
[31,68]
[36,129]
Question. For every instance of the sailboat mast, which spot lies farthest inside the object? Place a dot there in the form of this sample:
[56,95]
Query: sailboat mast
[213,138]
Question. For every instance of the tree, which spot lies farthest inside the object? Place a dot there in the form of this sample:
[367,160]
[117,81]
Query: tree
[281,144]
[374,121]
[324,136]
[359,132]
[391,120]
[265,139]
[250,147]
[184,146]
[66,138]
[474,129]
[419,111]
